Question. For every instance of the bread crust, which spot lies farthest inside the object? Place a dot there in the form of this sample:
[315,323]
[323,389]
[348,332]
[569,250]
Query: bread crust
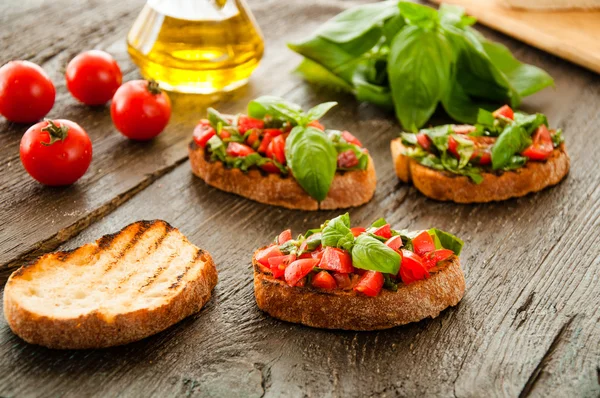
[445,186]
[94,330]
[348,189]
[348,310]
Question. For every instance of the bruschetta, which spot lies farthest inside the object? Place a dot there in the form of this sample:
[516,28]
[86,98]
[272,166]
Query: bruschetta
[505,155]
[280,155]
[339,277]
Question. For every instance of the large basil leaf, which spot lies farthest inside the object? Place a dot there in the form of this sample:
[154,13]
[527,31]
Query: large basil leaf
[313,160]
[371,254]
[337,233]
[511,141]
[318,111]
[316,73]
[446,240]
[419,15]
[419,71]
[276,107]
[370,92]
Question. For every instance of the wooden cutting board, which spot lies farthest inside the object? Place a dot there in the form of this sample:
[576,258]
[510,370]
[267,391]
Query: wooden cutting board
[572,35]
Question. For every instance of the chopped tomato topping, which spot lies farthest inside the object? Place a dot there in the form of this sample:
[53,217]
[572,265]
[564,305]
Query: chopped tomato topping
[385,231]
[347,159]
[343,281]
[431,259]
[357,231]
[263,256]
[246,123]
[203,132]
[481,154]
[542,146]
[394,243]
[317,125]
[424,141]
[284,236]
[238,150]
[463,128]
[270,168]
[453,146]
[253,138]
[276,149]
[423,243]
[505,111]
[338,260]
[279,263]
[264,144]
[323,280]
[351,139]
[224,134]
[370,283]
[298,270]
[273,132]
[412,268]
[318,253]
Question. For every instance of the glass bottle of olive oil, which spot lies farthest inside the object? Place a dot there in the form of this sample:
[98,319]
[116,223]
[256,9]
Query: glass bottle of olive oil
[196,46]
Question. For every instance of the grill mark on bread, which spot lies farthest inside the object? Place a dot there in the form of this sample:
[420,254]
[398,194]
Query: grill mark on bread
[199,253]
[150,280]
[143,227]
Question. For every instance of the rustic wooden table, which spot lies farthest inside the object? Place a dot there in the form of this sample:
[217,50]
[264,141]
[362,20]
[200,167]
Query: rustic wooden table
[528,324]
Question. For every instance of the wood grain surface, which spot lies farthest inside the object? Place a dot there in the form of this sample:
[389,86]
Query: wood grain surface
[527,326]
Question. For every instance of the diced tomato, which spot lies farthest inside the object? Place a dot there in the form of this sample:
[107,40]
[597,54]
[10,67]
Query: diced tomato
[357,231]
[246,123]
[224,134]
[343,281]
[276,149]
[317,125]
[385,231]
[273,132]
[351,139]
[264,255]
[203,132]
[424,141]
[347,159]
[270,168]
[284,236]
[238,150]
[453,146]
[431,259]
[370,283]
[542,146]
[394,243]
[505,111]
[253,139]
[412,268]
[318,253]
[463,129]
[324,280]
[423,243]
[482,157]
[337,260]
[299,269]
[279,263]
[264,144]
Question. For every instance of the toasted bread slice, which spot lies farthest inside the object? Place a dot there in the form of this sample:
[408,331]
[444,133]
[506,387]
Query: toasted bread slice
[122,288]
[348,189]
[348,310]
[440,185]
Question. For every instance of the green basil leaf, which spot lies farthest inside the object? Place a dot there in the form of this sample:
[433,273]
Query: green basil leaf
[370,92]
[419,15]
[392,26]
[530,122]
[389,284]
[312,159]
[276,107]
[409,138]
[465,149]
[371,254]
[446,240]
[515,162]
[451,164]
[362,157]
[486,118]
[316,73]
[216,147]
[291,246]
[379,223]
[557,138]
[337,233]
[215,117]
[319,111]
[511,141]
[458,104]
[419,72]
[439,136]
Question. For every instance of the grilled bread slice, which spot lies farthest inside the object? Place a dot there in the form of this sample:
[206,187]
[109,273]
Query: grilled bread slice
[348,189]
[348,310]
[440,185]
[122,288]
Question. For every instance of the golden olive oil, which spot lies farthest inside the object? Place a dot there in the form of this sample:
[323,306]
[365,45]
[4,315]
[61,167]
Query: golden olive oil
[196,46]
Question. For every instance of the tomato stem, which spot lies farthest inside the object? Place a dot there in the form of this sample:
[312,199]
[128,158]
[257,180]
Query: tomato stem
[153,87]
[56,133]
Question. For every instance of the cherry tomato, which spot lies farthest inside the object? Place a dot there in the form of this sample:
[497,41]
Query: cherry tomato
[351,139]
[394,243]
[93,77]
[370,283]
[56,152]
[431,259]
[262,257]
[317,125]
[238,150]
[423,243]
[26,92]
[273,132]
[324,280]
[140,110]
[424,141]
[337,260]
[276,149]
[347,159]
[298,270]
[203,132]
[357,231]
[246,123]
[542,146]
[505,111]
[270,168]
[279,263]
[412,268]
[385,231]
[284,236]
[264,144]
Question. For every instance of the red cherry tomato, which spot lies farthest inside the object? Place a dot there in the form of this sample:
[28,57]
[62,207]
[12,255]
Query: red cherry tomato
[431,259]
[412,268]
[505,111]
[26,92]
[324,280]
[56,152]
[394,243]
[385,231]
[279,263]
[347,159]
[262,257]
[276,149]
[203,132]
[423,243]
[357,231]
[424,141]
[284,236]
[337,260]
[238,150]
[542,146]
[246,123]
[317,125]
[298,270]
[370,283]
[351,139]
[140,110]
[93,77]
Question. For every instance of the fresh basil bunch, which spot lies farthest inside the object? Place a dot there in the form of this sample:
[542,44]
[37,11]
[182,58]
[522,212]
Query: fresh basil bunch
[411,58]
